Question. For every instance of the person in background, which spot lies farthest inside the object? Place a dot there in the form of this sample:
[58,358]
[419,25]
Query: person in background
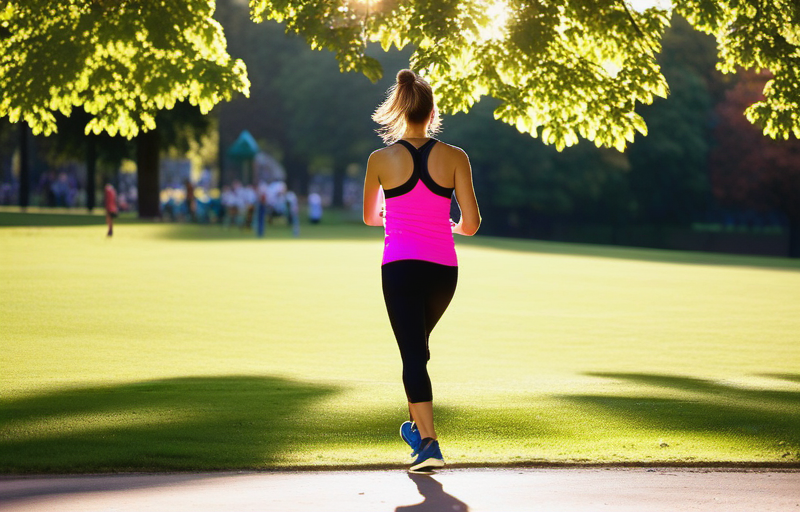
[111,207]
[191,205]
[261,211]
[239,194]
[277,200]
[229,203]
[60,190]
[314,208]
[250,200]
[293,212]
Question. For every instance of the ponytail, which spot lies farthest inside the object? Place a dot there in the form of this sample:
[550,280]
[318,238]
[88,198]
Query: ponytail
[409,100]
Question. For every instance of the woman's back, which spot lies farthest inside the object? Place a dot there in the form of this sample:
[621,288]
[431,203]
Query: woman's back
[417,215]
[395,163]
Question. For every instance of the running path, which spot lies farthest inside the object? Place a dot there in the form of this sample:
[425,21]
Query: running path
[457,490]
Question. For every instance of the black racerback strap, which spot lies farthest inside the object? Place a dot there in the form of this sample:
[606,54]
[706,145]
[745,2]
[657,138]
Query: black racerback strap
[420,172]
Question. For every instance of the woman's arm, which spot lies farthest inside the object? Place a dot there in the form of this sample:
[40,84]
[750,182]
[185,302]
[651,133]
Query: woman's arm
[373,198]
[465,195]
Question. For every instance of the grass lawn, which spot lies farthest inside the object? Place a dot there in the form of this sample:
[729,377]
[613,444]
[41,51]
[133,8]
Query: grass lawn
[178,347]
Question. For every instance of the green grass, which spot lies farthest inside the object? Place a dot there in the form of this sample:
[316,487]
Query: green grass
[176,347]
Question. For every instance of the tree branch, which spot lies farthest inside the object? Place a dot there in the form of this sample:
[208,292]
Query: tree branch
[638,29]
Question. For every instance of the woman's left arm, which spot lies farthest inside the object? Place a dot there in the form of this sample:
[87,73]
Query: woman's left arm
[373,198]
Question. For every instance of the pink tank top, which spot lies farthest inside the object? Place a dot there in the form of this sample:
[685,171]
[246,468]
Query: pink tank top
[417,221]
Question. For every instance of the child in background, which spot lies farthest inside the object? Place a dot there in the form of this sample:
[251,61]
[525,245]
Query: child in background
[111,207]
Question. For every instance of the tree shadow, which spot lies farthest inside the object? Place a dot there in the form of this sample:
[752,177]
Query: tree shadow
[631,253]
[436,500]
[768,418]
[40,217]
[190,423]
[791,377]
[346,230]
[203,232]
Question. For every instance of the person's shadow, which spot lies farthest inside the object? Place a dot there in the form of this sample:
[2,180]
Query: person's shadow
[436,500]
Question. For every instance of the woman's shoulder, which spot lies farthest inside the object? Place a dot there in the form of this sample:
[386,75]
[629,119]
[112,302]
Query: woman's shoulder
[450,148]
[385,152]
[451,152]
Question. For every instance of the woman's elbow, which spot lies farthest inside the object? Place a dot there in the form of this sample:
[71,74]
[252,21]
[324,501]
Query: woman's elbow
[471,227]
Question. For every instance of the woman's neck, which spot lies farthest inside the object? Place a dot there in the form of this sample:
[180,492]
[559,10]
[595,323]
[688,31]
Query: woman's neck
[416,132]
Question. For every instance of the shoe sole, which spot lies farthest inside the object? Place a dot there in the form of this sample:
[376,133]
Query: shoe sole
[427,464]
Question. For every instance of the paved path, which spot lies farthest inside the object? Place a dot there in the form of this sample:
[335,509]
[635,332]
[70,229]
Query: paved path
[458,490]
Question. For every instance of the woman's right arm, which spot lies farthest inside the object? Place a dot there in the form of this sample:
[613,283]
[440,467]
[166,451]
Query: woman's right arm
[373,202]
[465,195]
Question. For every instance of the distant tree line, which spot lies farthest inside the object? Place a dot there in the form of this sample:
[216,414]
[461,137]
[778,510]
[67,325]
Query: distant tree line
[701,151]
[681,172]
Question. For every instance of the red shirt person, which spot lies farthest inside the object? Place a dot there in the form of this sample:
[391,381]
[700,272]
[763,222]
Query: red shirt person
[111,207]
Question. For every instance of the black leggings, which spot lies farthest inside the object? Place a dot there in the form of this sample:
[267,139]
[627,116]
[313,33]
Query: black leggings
[416,293]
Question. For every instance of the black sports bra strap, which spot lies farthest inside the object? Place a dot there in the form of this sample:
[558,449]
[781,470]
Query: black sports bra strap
[420,157]
[426,148]
[408,145]
[425,175]
[409,185]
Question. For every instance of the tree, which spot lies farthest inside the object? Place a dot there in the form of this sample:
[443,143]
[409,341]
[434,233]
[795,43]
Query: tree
[262,112]
[177,127]
[669,167]
[301,107]
[331,112]
[562,69]
[121,61]
[749,170]
[525,187]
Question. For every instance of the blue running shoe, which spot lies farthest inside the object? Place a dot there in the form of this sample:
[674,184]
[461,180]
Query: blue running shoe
[429,457]
[410,434]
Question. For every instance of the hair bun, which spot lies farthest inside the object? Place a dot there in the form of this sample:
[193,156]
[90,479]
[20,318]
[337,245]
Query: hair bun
[406,76]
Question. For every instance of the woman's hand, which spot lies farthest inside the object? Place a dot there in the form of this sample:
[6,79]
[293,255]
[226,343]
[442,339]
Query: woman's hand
[458,228]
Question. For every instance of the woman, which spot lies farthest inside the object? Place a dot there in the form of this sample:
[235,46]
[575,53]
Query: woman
[417,175]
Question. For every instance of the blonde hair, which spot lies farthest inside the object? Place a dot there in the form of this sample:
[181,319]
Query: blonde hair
[409,100]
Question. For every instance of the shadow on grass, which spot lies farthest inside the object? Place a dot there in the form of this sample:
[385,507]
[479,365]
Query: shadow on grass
[354,231]
[278,232]
[783,376]
[632,253]
[193,423]
[761,417]
[338,229]
[44,218]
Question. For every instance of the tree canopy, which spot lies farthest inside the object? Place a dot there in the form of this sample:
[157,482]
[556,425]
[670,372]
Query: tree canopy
[560,68]
[120,60]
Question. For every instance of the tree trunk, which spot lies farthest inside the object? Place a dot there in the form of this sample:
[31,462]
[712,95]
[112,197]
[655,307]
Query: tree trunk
[794,238]
[147,177]
[91,171]
[221,178]
[24,165]
[296,173]
[339,173]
